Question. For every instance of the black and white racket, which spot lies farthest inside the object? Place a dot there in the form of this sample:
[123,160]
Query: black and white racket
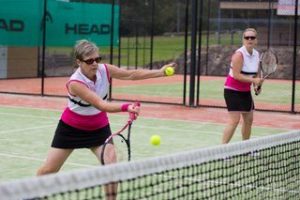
[268,65]
[117,147]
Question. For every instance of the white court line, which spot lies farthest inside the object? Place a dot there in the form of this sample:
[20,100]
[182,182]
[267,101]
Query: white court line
[119,124]
[116,114]
[186,130]
[120,115]
[27,129]
[112,123]
[10,155]
[31,108]
[140,126]
[183,130]
[31,116]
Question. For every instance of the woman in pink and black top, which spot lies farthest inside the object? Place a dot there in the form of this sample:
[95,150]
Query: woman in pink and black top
[84,123]
[237,89]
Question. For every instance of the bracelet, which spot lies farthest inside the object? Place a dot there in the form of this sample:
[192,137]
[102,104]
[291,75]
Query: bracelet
[124,107]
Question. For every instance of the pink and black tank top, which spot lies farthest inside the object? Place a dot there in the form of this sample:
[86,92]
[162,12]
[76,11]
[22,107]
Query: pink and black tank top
[250,68]
[80,114]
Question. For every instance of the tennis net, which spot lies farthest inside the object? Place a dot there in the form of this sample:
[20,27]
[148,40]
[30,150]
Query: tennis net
[260,168]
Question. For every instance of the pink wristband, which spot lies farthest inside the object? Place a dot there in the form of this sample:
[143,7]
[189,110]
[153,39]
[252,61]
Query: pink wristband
[124,107]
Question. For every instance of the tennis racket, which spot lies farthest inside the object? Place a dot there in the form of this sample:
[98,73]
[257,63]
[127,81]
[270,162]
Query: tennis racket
[117,146]
[268,65]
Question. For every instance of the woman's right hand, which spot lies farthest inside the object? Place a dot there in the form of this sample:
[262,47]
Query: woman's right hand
[257,89]
[134,109]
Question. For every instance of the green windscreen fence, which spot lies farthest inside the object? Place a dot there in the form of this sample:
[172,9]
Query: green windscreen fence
[22,22]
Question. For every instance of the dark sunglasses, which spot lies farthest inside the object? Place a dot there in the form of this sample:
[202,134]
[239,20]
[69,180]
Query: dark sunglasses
[92,60]
[249,37]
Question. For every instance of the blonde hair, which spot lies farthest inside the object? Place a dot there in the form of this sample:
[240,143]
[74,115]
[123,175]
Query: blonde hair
[250,29]
[84,48]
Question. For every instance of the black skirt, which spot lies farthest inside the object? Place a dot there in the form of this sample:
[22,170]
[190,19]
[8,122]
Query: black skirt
[67,137]
[238,101]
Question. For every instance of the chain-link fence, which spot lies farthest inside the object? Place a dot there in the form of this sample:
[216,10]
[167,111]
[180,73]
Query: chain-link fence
[37,38]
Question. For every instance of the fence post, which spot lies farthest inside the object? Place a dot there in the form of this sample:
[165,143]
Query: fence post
[193,53]
[295,55]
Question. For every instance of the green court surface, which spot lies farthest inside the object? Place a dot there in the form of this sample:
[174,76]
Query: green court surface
[26,134]
[213,89]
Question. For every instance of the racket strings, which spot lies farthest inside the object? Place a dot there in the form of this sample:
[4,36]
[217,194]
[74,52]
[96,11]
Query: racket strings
[121,148]
[269,63]
[116,150]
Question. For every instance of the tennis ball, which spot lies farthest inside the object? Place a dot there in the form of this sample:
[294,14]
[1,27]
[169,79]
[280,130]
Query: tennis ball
[155,140]
[169,71]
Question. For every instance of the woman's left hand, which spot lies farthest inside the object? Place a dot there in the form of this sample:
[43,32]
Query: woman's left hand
[173,65]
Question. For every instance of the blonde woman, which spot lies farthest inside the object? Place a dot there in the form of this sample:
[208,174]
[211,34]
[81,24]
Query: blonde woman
[237,89]
[84,122]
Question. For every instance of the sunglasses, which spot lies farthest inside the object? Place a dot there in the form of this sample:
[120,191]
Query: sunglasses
[249,37]
[92,60]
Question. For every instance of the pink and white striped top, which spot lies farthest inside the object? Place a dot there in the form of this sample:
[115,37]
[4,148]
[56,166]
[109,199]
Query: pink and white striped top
[250,68]
[79,114]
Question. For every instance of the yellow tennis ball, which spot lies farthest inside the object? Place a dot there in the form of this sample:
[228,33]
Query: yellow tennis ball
[169,71]
[155,140]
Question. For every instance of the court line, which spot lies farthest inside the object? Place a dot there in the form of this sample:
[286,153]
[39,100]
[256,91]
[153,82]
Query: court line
[201,125]
[11,155]
[200,132]
[26,129]
[122,115]
[26,107]
[116,114]
[24,115]
[112,123]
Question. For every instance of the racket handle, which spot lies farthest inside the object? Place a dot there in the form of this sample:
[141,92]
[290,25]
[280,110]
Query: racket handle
[132,116]
[258,88]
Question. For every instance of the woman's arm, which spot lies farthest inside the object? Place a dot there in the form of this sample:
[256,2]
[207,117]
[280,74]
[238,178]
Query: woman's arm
[80,90]
[138,74]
